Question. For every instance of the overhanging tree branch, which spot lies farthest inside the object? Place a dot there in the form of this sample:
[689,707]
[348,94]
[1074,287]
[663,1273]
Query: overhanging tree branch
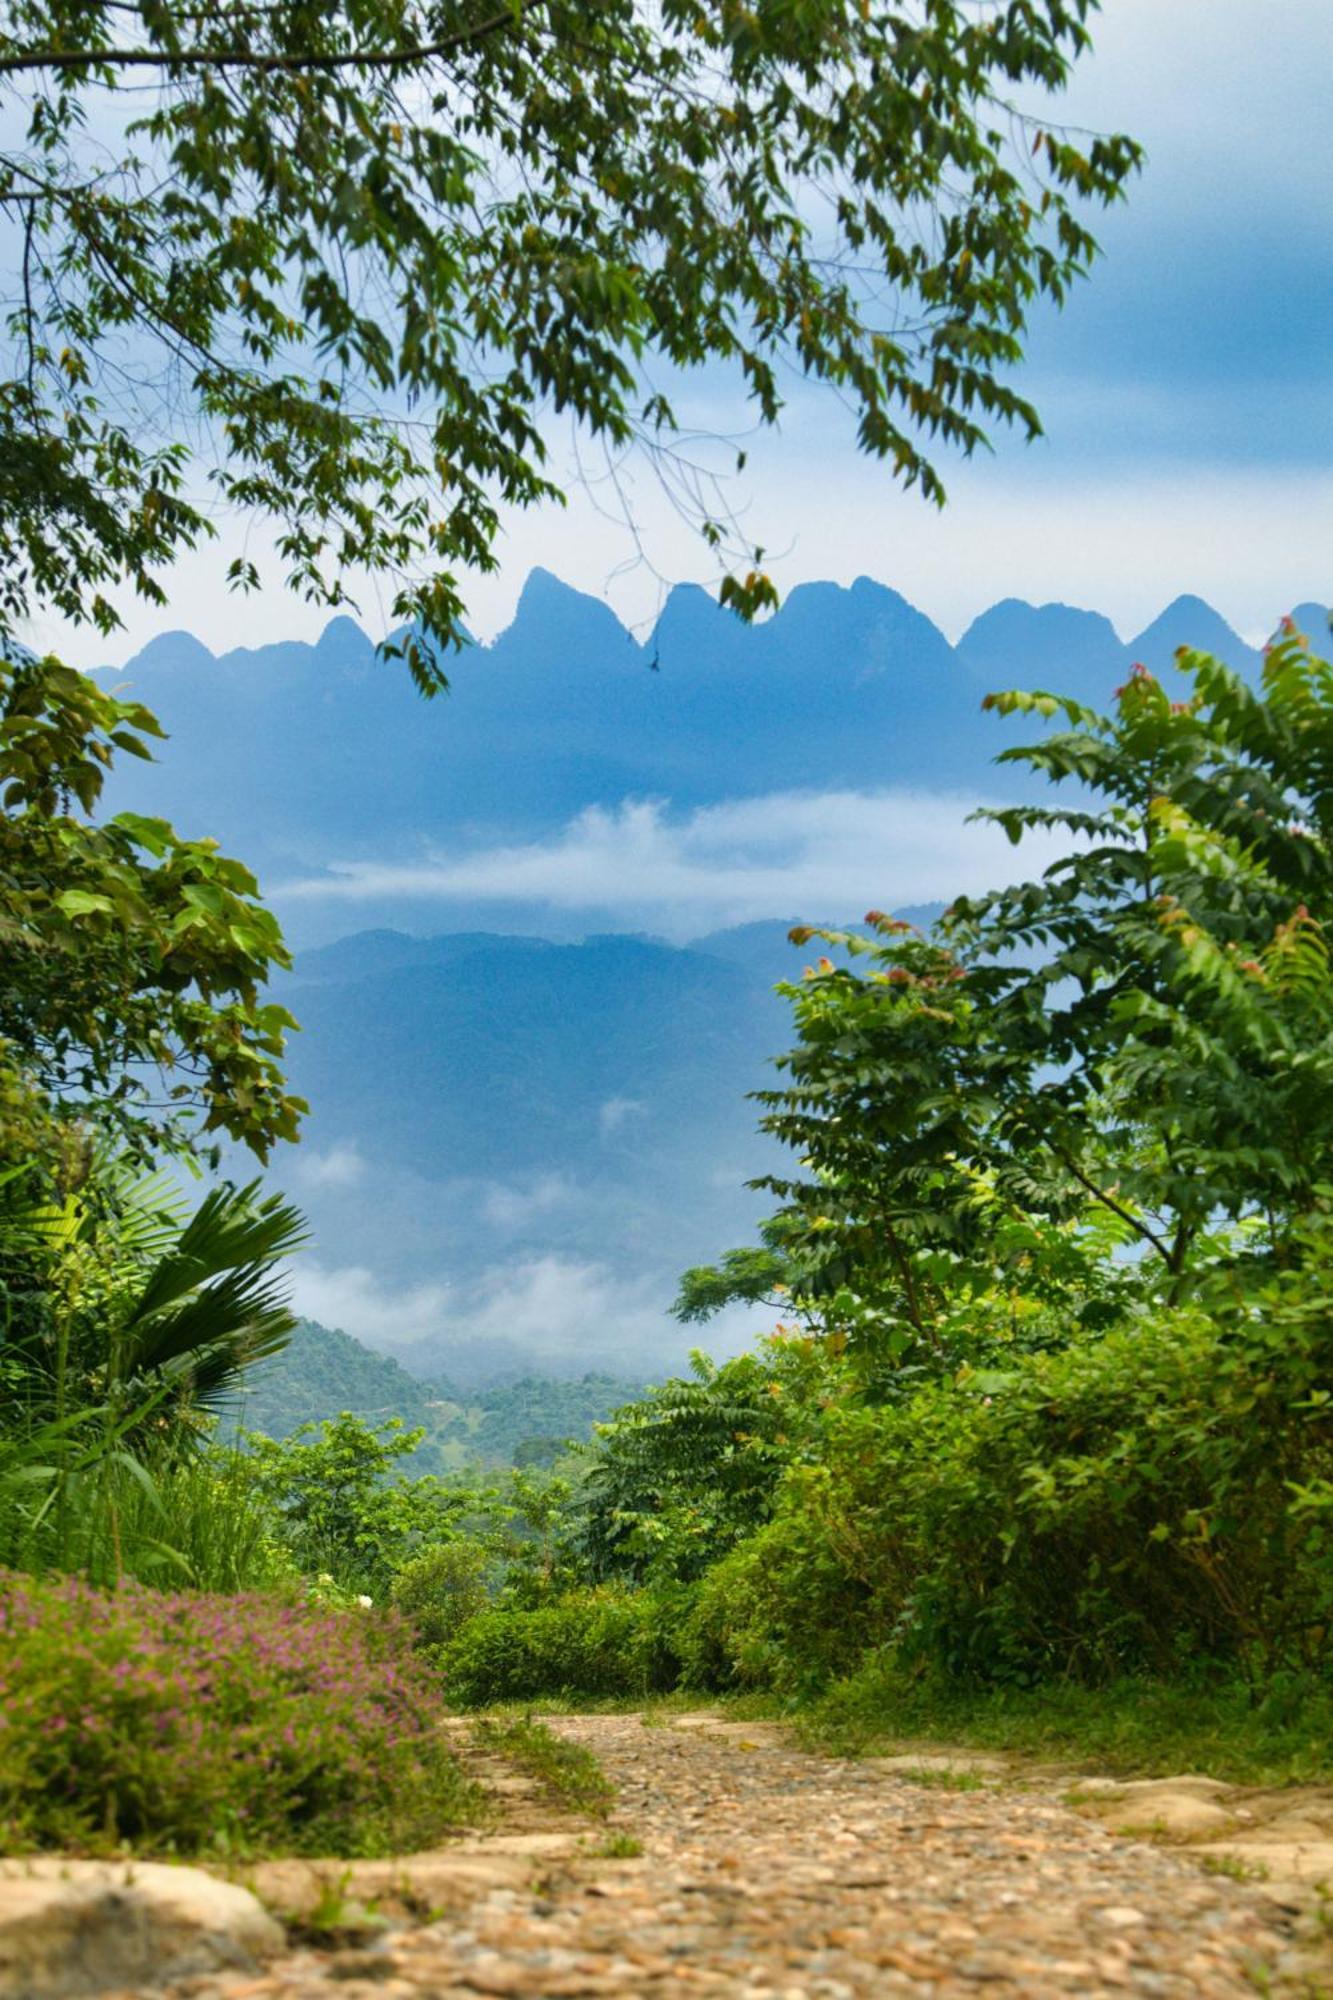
[28,60]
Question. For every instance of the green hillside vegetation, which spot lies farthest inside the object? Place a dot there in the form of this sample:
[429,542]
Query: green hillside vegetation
[529,1422]
[323,1372]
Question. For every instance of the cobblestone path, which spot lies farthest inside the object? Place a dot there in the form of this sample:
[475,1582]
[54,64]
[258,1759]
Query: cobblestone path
[770,1874]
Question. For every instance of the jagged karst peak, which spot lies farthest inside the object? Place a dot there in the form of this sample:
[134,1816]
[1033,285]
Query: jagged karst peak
[1313,620]
[343,642]
[172,650]
[1189,620]
[553,614]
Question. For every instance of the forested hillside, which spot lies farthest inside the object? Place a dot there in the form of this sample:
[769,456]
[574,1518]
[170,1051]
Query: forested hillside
[322,1373]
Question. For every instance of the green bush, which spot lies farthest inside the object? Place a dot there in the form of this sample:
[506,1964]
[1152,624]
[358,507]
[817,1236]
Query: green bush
[782,1613]
[192,1724]
[441,1590]
[1138,1503]
[591,1642]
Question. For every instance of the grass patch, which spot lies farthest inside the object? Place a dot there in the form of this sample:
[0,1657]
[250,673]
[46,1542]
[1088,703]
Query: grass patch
[569,1774]
[1131,1727]
[944,1781]
[618,1847]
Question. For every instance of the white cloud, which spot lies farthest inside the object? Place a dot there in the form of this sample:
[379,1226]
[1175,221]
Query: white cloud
[353,1299]
[817,854]
[556,1311]
[510,1205]
[616,1112]
[339,1167]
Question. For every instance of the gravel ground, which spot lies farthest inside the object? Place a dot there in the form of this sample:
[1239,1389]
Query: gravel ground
[771,1874]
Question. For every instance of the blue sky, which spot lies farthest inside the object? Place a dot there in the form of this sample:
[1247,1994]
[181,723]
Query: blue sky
[1187,390]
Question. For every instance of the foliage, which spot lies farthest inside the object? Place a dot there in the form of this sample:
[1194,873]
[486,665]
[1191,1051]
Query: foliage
[125,1321]
[1128,1055]
[121,1300]
[440,1590]
[783,1613]
[342,1508]
[72,1499]
[675,1479]
[360,253]
[1124,1506]
[569,1773]
[207,1724]
[588,1642]
[133,958]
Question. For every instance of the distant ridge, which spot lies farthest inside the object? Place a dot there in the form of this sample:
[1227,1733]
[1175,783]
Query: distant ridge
[297,754]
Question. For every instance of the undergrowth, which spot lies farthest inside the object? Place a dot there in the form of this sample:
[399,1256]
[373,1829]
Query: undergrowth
[569,1774]
[1133,1727]
[228,1725]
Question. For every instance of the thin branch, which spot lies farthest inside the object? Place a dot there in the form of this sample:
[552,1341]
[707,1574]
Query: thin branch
[390,59]
[1135,1222]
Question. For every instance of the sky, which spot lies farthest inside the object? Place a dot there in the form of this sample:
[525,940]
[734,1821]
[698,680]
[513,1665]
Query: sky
[1187,391]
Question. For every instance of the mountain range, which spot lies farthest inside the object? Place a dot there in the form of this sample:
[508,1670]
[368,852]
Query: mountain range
[300,756]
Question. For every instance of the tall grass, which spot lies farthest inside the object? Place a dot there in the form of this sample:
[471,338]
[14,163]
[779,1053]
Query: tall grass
[74,1499]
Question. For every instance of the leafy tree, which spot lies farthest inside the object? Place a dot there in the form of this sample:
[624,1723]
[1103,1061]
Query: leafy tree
[1130,1054]
[134,959]
[344,1507]
[356,254]
[675,1479]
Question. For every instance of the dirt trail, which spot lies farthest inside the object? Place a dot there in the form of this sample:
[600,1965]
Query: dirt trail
[771,1874]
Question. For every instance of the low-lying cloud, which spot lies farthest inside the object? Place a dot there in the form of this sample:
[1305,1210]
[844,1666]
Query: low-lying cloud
[552,1312]
[731,863]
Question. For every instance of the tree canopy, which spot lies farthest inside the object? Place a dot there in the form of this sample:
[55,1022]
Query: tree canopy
[336,266]
[1104,1085]
[135,960]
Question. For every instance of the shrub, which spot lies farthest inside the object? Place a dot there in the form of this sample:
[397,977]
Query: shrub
[1136,1503]
[441,1590]
[591,1642]
[192,1723]
[782,1613]
[172,1520]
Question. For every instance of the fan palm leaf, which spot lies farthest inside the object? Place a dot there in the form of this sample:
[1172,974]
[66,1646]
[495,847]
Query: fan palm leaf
[215,1301]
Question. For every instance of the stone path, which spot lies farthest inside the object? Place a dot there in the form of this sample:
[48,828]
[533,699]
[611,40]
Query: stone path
[769,1874]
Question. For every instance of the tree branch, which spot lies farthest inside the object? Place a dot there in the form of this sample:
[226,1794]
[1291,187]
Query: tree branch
[391,59]
[1135,1222]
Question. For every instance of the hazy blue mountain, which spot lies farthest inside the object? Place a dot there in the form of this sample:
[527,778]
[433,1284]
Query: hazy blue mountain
[578,1112]
[298,755]
[499,1056]
[1051,646]
[518,1141]
[1188,621]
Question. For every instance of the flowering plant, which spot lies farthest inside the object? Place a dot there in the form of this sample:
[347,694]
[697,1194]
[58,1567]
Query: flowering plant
[190,1722]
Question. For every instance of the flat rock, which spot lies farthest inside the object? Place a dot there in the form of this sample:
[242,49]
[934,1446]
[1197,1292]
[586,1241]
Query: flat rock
[948,1763]
[1281,1860]
[71,1927]
[1161,1808]
[345,1891]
